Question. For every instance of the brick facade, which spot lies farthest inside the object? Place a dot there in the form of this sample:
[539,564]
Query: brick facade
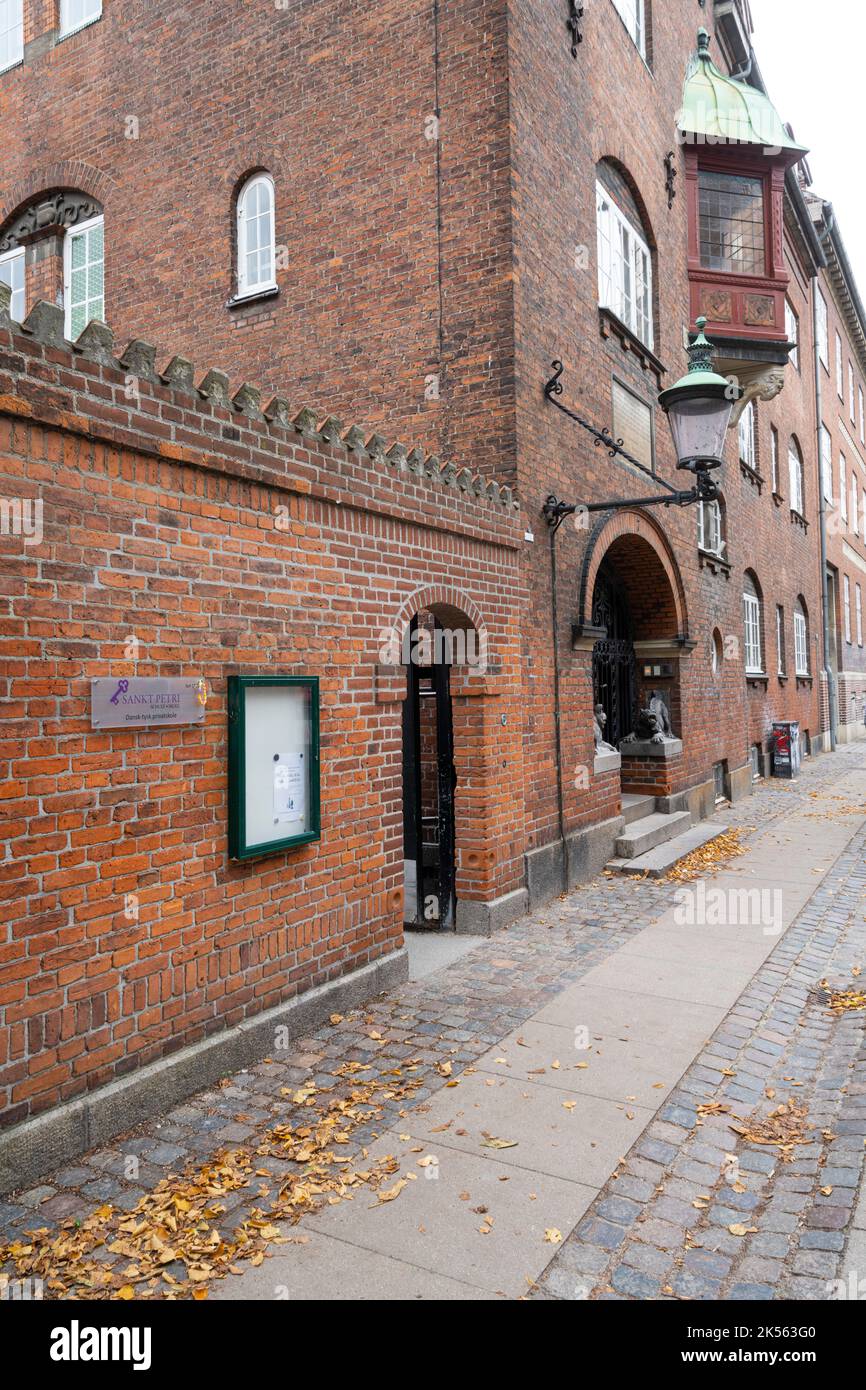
[219,539]
[435,169]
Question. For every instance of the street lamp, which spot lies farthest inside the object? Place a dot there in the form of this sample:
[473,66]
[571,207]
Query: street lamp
[698,408]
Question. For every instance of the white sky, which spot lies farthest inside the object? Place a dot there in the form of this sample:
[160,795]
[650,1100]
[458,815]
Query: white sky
[812,56]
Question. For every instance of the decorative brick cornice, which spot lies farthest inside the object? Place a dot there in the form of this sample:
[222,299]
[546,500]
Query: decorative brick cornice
[104,399]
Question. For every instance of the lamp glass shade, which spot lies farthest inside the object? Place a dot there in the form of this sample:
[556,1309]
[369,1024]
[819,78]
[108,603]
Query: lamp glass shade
[698,425]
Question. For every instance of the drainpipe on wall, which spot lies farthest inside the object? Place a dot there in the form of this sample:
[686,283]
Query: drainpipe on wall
[557,708]
[822,523]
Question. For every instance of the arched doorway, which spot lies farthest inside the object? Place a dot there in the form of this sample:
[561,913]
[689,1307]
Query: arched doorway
[429,777]
[633,620]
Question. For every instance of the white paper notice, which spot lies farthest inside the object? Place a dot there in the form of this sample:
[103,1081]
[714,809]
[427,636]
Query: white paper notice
[290,787]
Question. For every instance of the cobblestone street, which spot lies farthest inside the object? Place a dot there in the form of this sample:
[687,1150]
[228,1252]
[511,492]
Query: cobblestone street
[650,1192]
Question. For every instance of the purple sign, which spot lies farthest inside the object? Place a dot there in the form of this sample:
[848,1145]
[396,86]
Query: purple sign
[134,702]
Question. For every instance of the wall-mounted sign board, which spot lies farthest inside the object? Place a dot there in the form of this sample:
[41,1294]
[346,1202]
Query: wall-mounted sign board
[273,763]
[134,702]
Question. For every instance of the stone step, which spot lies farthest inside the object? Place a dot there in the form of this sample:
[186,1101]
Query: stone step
[650,831]
[635,806]
[655,863]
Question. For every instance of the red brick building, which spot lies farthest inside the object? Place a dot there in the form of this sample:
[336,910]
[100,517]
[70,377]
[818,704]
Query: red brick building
[400,214]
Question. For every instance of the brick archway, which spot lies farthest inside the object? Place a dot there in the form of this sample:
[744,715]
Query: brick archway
[68,174]
[452,606]
[636,544]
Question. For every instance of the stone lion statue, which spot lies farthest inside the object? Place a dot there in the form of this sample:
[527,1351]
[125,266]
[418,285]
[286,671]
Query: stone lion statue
[653,723]
[599,721]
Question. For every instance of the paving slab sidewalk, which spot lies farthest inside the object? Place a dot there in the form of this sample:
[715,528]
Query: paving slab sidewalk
[570,1037]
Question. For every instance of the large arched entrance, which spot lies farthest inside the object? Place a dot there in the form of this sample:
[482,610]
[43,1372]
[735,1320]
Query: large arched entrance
[634,622]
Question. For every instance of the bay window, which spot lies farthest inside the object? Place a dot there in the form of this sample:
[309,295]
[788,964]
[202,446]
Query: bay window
[731,218]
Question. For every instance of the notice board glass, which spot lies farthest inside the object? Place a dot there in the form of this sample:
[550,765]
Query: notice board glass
[274,792]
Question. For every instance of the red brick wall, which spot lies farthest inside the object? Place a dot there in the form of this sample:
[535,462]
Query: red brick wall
[222,542]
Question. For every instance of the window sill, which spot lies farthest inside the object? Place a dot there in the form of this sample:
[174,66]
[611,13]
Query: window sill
[240,301]
[804,681]
[778,498]
[10,67]
[752,474]
[757,678]
[798,520]
[708,559]
[85,24]
[610,324]
[782,677]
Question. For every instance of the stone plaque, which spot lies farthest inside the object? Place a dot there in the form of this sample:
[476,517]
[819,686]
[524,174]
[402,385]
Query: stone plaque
[134,702]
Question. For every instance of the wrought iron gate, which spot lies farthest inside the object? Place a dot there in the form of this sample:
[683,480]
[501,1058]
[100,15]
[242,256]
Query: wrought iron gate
[613,661]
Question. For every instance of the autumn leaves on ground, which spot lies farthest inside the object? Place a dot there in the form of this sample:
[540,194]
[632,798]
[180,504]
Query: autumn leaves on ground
[175,1243]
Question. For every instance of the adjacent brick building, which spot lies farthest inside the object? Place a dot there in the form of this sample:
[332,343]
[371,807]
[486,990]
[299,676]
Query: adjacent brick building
[401,214]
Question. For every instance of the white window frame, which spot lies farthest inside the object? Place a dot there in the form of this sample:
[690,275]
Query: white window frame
[858,612]
[860,411]
[71,235]
[843,487]
[633,15]
[851,410]
[846,605]
[840,369]
[245,287]
[801,643]
[822,344]
[746,436]
[71,25]
[774,459]
[795,479]
[792,332]
[12,15]
[17,254]
[752,633]
[855,506]
[780,639]
[710,536]
[826,463]
[625,272]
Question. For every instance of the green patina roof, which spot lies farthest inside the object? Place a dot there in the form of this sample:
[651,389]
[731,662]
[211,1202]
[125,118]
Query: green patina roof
[720,109]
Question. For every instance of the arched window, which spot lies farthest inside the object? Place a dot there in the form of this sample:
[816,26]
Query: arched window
[752,625]
[64,232]
[711,527]
[795,477]
[801,638]
[624,259]
[256,250]
[717,651]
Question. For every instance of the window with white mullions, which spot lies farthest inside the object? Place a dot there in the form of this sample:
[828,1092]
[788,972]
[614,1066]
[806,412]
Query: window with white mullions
[746,436]
[11,33]
[710,533]
[256,249]
[752,627]
[74,14]
[84,276]
[795,477]
[12,274]
[801,640]
[633,15]
[624,268]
